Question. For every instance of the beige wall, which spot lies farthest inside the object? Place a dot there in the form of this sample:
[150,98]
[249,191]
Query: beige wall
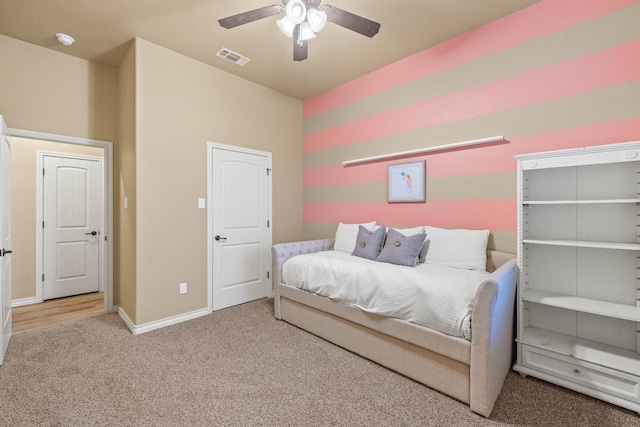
[23,208]
[42,90]
[159,109]
[46,91]
[180,105]
[124,257]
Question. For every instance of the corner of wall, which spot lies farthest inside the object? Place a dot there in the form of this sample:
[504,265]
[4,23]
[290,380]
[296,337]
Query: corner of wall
[125,189]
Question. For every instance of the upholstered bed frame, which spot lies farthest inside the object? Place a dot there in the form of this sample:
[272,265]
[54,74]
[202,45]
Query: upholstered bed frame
[470,371]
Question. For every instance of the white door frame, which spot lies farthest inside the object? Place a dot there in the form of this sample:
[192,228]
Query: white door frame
[210,147]
[5,207]
[106,260]
[41,154]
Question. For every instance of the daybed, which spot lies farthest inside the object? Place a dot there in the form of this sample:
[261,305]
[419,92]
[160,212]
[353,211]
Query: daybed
[472,371]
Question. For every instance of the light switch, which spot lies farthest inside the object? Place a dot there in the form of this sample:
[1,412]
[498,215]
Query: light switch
[201,203]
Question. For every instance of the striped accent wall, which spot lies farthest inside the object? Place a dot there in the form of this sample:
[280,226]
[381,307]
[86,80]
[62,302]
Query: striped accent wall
[558,74]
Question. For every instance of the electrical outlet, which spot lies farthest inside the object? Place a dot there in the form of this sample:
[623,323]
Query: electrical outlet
[183,288]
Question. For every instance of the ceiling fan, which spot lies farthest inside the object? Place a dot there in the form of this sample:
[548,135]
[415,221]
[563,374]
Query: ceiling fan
[302,20]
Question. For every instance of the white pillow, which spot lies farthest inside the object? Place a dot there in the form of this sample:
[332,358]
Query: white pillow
[347,234]
[459,248]
[409,231]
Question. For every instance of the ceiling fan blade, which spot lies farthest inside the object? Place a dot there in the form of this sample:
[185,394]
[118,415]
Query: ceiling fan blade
[353,22]
[300,48]
[250,16]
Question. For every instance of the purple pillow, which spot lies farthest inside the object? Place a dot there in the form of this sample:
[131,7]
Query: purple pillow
[369,243]
[401,249]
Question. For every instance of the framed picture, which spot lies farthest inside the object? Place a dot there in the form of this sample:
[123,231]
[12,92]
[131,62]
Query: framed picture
[406,182]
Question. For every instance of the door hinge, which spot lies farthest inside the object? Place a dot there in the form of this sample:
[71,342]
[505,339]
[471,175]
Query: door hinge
[267,223]
[42,224]
[42,171]
[43,277]
[105,238]
[268,171]
[268,275]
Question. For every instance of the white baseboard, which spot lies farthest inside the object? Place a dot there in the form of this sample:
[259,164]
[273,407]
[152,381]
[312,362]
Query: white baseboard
[23,301]
[126,320]
[146,327]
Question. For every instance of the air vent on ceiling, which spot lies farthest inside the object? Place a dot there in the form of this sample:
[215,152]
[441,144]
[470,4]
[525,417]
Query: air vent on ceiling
[232,56]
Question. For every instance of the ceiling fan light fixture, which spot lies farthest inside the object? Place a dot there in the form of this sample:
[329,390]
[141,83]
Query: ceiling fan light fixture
[306,33]
[286,26]
[317,19]
[302,20]
[296,11]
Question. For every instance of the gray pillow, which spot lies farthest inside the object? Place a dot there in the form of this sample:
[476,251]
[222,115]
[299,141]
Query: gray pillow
[369,243]
[422,256]
[401,249]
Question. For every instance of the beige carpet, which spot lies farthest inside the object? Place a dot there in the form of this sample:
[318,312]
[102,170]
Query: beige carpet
[241,367]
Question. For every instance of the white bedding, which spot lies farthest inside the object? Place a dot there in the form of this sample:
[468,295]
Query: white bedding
[433,296]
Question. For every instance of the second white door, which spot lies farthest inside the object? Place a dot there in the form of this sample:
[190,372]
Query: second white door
[240,208]
[72,194]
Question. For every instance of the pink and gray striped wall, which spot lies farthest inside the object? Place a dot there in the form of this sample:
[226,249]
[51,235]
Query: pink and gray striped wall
[558,74]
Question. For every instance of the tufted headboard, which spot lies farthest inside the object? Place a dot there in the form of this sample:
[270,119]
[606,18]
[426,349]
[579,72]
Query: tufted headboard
[283,251]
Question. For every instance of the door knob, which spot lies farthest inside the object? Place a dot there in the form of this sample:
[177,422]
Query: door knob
[220,239]
[93,233]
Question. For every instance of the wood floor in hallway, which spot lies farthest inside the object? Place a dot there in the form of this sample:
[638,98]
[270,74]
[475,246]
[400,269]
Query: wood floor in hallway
[57,311]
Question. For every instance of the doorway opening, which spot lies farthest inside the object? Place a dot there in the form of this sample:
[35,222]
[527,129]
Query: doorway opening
[30,148]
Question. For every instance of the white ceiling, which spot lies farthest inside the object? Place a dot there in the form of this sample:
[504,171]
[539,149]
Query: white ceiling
[104,28]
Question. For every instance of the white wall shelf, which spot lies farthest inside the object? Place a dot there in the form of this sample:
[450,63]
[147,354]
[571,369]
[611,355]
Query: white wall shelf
[426,150]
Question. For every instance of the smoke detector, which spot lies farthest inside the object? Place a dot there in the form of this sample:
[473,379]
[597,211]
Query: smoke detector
[232,56]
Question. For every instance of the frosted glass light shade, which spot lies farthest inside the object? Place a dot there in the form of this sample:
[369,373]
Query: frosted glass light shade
[286,26]
[306,33]
[296,11]
[317,19]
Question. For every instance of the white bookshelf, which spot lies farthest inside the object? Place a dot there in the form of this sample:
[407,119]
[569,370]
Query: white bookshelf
[579,257]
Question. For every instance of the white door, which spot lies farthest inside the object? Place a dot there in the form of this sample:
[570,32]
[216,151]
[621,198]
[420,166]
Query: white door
[71,210]
[241,238]
[5,232]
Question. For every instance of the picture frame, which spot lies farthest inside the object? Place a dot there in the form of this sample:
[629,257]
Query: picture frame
[406,182]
